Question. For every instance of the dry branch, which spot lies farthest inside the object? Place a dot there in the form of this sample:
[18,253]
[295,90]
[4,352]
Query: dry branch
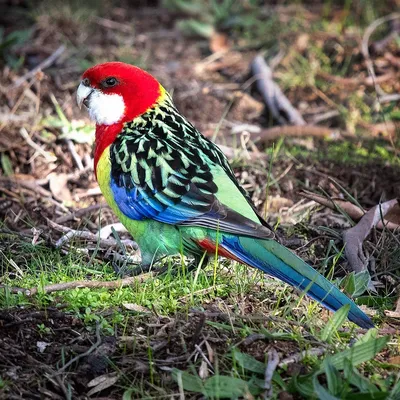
[80,213]
[86,353]
[71,233]
[353,211]
[58,287]
[355,236]
[295,358]
[365,47]
[277,103]
[273,361]
[296,131]
[43,65]
[28,184]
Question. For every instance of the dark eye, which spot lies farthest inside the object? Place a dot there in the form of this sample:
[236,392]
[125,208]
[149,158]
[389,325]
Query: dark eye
[109,82]
[86,82]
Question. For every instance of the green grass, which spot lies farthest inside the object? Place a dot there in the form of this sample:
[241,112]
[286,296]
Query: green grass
[280,316]
[176,290]
[348,153]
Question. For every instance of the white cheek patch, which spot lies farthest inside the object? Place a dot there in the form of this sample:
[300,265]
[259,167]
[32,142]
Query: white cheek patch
[106,109]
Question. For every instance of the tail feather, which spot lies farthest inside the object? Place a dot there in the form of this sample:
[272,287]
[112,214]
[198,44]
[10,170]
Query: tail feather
[276,260]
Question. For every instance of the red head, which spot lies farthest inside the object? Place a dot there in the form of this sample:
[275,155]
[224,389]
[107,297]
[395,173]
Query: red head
[115,93]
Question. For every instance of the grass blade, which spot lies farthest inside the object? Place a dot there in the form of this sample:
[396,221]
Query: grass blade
[335,322]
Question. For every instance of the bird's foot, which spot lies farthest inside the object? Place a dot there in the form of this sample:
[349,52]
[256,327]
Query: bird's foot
[185,269]
[138,270]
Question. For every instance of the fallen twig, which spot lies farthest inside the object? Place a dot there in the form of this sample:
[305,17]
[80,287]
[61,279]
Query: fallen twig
[254,337]
[80,213]
[48,157]
[74,154]
[200,351]
[71,233]
[379,46]
[314,352]
[356,81]
[231,152]
[292,131]
[277,103]
[31,185]
[43,65]
[365,47]
[353,211]
[86,353]
[58,287]
[110,24]
[355,236]
[273,361]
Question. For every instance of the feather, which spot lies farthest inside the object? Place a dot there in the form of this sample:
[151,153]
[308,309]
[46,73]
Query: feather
[276,260]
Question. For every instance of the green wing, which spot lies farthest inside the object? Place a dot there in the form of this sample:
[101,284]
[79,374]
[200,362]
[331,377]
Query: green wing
[164,169]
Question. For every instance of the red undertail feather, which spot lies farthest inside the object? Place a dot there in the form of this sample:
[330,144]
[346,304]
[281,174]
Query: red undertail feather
[211,248]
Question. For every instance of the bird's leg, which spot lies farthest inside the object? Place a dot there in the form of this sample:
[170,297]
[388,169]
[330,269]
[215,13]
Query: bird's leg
[121,265]
[124,270]
[199,259]
[141,268]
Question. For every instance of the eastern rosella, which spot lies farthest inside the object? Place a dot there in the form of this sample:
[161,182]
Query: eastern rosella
[174,190]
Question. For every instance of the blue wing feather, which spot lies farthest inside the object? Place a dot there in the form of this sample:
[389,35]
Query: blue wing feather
[194,208]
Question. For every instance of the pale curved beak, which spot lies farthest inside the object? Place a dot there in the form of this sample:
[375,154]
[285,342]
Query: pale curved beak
[83,94]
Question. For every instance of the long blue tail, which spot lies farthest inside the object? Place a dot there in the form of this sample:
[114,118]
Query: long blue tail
[276,260]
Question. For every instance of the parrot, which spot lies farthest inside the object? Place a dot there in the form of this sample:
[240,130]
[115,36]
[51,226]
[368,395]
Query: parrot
[174,189]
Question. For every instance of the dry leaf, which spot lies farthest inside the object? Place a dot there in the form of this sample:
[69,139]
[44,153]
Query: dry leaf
[393,215]
[247,107]
[392,314]
[219,42]
[353,211]
[203,370]
[59,186]
[41,346]
[385,130]
[136,308]
[102,382]
[301,43]
[276,203]
[210,351]
[394,360]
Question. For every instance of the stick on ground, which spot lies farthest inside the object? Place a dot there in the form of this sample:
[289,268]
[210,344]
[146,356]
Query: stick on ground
[277,103]
[43,65]
[58,287]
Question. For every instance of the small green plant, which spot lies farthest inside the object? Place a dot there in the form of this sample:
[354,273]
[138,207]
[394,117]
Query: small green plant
[355,284]
[341,378]
[3,383]
[6,165]
[43,329]
[9,43]
[242,19]
[76,130]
